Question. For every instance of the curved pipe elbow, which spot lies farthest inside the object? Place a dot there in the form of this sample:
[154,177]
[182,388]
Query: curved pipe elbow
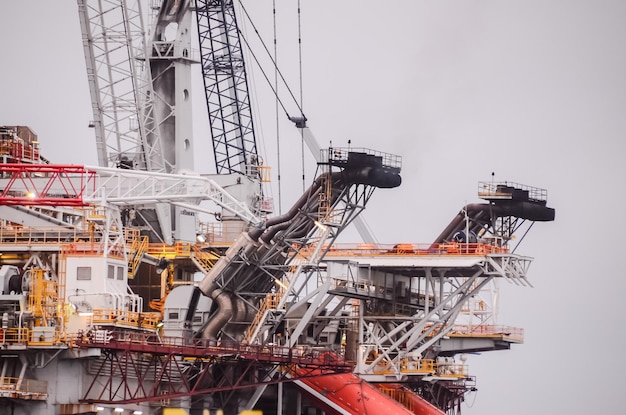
[223,314]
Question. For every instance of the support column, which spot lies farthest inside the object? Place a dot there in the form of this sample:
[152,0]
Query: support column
[279,406]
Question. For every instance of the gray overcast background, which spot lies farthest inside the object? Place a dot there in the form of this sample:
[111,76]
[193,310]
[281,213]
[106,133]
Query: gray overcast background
[531,90]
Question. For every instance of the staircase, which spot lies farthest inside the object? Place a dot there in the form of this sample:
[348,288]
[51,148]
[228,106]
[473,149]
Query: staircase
[264,315]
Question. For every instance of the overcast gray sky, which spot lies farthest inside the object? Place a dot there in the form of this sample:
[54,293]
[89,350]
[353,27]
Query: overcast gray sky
[531,90]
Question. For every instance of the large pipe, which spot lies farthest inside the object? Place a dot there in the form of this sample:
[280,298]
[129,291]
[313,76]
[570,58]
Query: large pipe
[339,182]
[473,211]
[248,243]
[243,243]
[487,212]
[221,316]
[241,314]
[311,191]
[299,225]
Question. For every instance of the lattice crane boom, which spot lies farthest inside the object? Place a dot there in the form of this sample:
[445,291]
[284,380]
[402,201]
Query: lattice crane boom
[140,81]
[226,88]
[114,43]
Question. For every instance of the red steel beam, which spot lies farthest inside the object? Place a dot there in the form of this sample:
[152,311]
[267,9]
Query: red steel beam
[201,348]
[33,184]
[139,368]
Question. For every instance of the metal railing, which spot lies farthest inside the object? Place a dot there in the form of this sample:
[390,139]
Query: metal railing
[21,388]
[136,245]
[28,235]
[178,250]
[270,302]
[341,154]
[205,259]
[485,330]
[410,249]
[25,337]
[125,318]
[421,367]
[506,190]
[206,348]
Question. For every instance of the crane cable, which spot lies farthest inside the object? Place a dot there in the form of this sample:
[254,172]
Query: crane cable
[280,199]
[301,103]
[282,78]
[274,86]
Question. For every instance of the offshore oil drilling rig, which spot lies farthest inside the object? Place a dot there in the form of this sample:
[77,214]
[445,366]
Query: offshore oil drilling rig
[150,287]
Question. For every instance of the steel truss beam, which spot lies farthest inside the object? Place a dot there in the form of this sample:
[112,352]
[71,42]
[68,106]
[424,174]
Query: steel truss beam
[446,291]
[511,267]
[132,372]
[417,333]
[67,185]
[45,184]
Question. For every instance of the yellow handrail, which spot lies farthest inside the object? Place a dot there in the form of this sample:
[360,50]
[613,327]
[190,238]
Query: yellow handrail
[205,259]
[270,302]
[178,250]
[138,245]
[110,316]
[421,367]
[31,388]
